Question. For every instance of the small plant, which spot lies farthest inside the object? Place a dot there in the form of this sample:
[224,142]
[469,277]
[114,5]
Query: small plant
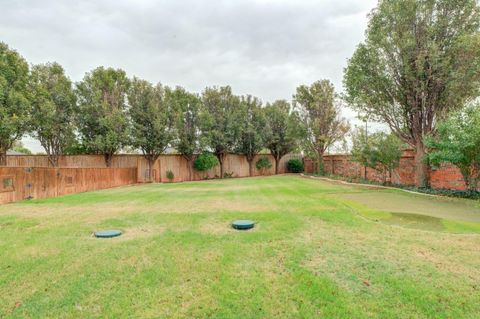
[228,175]
[263,164]
[295,165]
[170,175]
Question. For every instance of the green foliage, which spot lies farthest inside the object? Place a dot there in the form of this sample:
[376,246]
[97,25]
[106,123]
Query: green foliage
[186,109]
[319,109]
[205,161]
[295,165]
[458,142]
[263,163]
[102,111]
[379,151]
[219,121]
[283,130]
[14,99]
[152,119]
[53,106]
[420,60]
[170,175]
[251,138]
[75,148]
[20,148]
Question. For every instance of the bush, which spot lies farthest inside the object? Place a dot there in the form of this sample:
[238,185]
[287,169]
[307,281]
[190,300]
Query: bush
[295,165]
[263,164]
[205,162]
[228,175]
[170,175]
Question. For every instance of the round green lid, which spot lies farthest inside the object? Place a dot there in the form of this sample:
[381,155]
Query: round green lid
[108,233]
[243,224]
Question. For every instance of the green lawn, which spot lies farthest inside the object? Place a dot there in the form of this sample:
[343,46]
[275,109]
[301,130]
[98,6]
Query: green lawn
[319,250]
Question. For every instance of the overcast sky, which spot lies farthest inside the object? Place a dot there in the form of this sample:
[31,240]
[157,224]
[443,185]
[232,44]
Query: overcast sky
[261,47]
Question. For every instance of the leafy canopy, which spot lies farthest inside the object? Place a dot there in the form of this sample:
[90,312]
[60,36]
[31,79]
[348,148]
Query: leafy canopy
[53,106]
[251,138]
[219,119]
[319,109]
[102,111]
[420,60]
[283,129]
[151,116]
[14,98]
[186,108]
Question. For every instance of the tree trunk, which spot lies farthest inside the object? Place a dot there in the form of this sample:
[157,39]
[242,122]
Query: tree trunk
[150,165]
[220,160]
[3,158]
[53,159]
[108,159]
[422,169]
[250,167]
[320,163]
[277,164]
[190,169]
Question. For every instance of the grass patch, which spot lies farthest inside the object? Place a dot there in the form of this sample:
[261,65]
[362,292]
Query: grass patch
[319,249]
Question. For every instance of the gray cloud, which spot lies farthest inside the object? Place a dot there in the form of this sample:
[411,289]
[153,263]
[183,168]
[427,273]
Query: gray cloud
[261,47]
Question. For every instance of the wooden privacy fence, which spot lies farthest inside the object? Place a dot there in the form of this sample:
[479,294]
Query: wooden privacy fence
[236,165]
[18,183]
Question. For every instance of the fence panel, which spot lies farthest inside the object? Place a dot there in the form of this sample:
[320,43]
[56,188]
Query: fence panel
[19,183]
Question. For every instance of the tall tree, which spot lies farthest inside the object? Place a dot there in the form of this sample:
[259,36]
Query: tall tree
[252,131]
[319,109]
[186,109]
[458,142]
[14,99]
[53,107]
[282,130]
[219,122]
[102,111]
[420,60]
[151,115]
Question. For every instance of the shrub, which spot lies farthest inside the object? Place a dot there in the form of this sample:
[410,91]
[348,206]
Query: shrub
[228,175]
[170,175]
[205,162]
[295,165]
[263,164]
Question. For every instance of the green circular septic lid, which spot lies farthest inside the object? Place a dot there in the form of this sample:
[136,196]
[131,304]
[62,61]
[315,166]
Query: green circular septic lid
[108,233]
[243,224]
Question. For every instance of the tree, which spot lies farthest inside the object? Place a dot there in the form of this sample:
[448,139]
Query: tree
[251,138]
[186,108]
[14,99]
[219,122]
[53,107]
[151,115]
[458,142]
[102,111]
[380,151]
[282,130]
[420,61]
[319,110]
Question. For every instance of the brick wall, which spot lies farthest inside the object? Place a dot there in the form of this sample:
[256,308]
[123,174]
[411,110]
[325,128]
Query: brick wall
[445,177]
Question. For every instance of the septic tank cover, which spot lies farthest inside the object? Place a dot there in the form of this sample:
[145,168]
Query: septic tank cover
[243,224]
[108,233]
